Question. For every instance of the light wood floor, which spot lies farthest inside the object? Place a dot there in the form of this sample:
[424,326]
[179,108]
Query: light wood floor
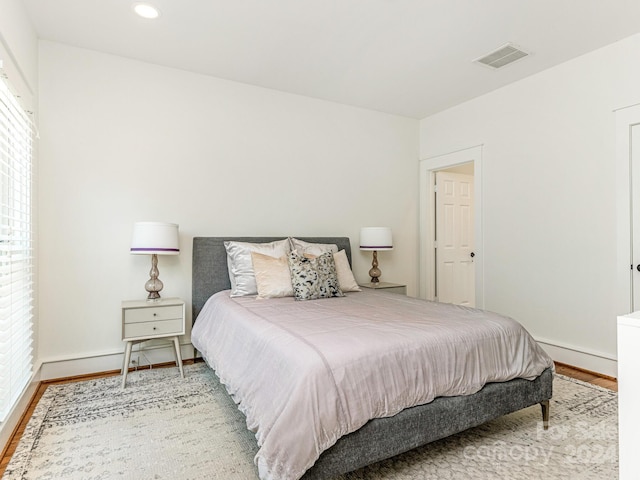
[586,376]
[567,370]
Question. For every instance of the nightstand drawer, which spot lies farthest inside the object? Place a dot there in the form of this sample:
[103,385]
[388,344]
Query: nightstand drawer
[150,329]
[151,314]
[386,287]
[399,290]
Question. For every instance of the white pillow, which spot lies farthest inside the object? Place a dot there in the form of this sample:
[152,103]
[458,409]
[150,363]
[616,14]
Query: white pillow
[241,275]
[345,275]
[273,277]
[303,248]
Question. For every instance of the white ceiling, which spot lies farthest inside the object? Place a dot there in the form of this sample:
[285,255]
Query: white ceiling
[407,57]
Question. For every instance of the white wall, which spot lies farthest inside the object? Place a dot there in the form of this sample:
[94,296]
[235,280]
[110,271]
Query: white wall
[549,197]
[124,141]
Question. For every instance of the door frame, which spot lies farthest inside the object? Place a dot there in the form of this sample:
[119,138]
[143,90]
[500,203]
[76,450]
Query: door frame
[427,267]
[626,118]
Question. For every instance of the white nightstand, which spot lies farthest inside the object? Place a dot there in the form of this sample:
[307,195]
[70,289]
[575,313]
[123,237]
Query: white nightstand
[387,287]
[143,320]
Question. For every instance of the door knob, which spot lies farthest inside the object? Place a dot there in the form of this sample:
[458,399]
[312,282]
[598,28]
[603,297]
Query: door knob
[473,255]
[638,267]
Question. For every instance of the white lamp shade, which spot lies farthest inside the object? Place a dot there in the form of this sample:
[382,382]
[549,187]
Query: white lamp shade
[155,237]
[376,238]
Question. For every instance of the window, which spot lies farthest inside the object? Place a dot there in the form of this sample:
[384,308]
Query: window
[16,250]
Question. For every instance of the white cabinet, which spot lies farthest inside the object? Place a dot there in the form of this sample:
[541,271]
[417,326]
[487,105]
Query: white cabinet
[629,395]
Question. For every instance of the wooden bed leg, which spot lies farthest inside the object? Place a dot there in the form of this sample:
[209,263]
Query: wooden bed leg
[545,414]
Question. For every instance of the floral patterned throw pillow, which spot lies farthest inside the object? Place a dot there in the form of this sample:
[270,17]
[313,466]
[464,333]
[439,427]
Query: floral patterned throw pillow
[314,278]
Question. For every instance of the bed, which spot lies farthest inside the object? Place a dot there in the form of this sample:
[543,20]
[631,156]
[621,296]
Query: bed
[378,438]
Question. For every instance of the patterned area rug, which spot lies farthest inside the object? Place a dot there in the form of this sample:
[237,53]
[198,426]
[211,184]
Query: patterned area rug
[165,427]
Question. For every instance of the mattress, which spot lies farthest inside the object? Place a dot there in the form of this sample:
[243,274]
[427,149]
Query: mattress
[306,373]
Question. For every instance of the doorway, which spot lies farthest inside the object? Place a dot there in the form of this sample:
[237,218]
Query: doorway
[628,209]
[464,162]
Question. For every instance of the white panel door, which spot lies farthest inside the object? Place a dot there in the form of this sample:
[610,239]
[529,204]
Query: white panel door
[635,215]
[455,274]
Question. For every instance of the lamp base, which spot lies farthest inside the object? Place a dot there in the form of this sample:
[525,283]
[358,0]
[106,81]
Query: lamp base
[153,285]
[153,297]
[375,272]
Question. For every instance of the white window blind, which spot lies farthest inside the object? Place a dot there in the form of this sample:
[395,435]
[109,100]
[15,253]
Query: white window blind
[16,250]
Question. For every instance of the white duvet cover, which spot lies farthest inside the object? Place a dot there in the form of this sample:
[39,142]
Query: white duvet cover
[307,373]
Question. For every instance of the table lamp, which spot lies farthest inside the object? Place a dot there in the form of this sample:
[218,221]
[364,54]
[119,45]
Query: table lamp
[154,238]
[376,239]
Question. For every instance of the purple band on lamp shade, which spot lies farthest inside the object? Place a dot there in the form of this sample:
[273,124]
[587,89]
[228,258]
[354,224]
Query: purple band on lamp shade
[155,238]
[376,238]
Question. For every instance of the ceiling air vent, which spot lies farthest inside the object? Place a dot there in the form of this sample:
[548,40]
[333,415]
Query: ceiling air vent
[504,55]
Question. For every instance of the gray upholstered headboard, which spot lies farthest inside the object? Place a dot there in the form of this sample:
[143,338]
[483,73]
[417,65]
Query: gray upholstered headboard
[210,274]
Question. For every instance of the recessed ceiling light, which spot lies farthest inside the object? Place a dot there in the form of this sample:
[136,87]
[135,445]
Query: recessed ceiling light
[146,11]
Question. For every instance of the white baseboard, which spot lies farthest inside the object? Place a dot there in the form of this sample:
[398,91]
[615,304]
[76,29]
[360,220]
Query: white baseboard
[62,367]
[593,361]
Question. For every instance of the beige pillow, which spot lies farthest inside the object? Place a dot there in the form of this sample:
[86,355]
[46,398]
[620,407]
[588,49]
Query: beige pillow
[273,278]
[345,275]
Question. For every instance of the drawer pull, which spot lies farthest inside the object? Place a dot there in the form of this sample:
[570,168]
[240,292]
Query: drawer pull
[155,328]
[155,314]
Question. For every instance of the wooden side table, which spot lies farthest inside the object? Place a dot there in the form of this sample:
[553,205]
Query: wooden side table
[387,287]
[143,320]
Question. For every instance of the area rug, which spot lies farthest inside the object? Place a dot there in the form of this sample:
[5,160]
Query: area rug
[165,427]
